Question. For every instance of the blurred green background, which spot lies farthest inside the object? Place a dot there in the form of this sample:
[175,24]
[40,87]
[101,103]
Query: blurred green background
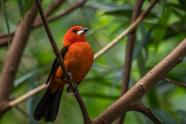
[157,35]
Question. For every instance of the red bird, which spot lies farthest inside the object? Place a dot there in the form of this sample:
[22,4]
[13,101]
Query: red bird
[78,59]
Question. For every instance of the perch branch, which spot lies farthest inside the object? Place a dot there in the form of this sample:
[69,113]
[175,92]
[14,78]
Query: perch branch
[60,60]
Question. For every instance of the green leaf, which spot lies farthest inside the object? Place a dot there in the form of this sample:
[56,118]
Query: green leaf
[24,6]
[182,2]
[165,117]
[21,4]
[177,6]
[27,5]
[175,29]
[4,10]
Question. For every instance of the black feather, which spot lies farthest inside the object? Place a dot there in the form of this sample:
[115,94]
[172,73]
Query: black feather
[48,106]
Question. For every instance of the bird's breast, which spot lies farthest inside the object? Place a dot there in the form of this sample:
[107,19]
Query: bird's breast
[78,60]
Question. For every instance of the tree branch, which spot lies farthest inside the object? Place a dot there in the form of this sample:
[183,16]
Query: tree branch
[61,62]
[143,85]
[28,94]
[15,53]
[178,83]
[129,52]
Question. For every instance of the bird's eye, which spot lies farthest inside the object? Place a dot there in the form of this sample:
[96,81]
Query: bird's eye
[75,31]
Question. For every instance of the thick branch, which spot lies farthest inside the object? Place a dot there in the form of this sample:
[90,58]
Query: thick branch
[61,62]
[143,85]
[129,52]
[15,53]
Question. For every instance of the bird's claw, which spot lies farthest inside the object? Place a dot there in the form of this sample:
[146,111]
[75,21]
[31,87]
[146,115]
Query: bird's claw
[68,88]
[68,77]
[74,90]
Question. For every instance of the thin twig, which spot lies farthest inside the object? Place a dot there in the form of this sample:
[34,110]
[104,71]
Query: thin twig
[139,107]
[128,54]
[178,83]
[61,62]
[25,96]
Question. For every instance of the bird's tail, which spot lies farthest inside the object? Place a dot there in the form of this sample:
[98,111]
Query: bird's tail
[48,105]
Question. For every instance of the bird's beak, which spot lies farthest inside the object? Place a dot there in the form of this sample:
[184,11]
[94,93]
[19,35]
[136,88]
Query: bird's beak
[82,31]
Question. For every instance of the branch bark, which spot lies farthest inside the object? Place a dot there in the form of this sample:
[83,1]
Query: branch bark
[69,78]
[15,53]
[129,52]
[143,85]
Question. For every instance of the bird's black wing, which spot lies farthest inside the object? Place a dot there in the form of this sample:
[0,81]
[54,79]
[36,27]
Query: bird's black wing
[55,64]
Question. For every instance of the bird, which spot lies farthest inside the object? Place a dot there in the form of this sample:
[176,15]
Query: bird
[78,59]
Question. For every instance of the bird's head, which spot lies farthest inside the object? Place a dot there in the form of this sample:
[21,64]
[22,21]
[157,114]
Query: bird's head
[75,34]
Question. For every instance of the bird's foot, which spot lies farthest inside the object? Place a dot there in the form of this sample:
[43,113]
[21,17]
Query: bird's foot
[74,90]
[68,77]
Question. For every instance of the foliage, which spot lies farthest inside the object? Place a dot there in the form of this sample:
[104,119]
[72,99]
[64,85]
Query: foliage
[157,35]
